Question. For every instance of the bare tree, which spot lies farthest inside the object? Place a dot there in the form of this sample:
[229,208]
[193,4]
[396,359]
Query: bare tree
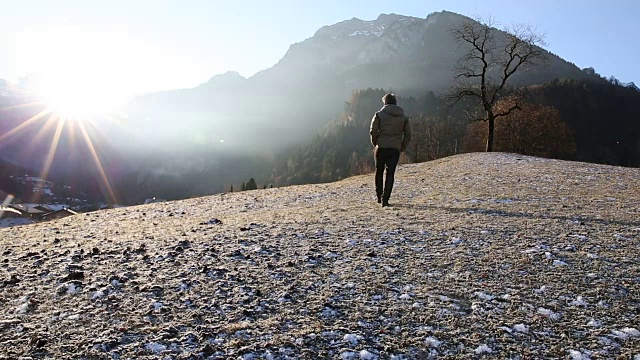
[535,130]
[490,60]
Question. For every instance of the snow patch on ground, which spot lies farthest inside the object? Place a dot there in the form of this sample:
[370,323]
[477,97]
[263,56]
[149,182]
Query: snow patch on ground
[367,355]
[352,338]
[626,333]
[521,328]
[156,348]
[579,301]
[549,313]
[577,355]
[559,263]
[594,323]
[483,349]
[432,342]
[483,296]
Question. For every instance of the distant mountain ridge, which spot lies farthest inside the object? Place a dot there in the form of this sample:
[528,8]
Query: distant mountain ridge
[405,53]
[228,79]
[308,86]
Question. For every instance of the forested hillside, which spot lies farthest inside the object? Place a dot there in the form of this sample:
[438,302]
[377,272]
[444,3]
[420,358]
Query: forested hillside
[586,120]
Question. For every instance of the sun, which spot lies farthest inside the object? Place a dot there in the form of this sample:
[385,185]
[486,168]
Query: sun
[76,96]
[73,105]
[78,81]
[78,73]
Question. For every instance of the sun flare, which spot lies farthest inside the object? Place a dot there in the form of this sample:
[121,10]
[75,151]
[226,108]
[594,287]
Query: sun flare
[79,73]
[76,99]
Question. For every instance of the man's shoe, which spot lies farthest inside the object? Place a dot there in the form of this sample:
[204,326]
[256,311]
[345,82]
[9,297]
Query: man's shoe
[385,203]
[379,199]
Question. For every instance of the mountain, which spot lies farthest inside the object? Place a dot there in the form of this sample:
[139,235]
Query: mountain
[187,142]
[479,253]
[408,54]
[230,80]
[307,87]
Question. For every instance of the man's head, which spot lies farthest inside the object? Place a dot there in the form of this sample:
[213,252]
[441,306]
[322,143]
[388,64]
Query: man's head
[389,99]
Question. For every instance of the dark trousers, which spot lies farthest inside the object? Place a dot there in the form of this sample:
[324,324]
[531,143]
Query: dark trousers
[386,158]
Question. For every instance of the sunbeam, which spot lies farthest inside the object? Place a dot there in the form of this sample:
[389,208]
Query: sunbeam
[71,134]
[44,174]
[20,106]
[103,175]
[31,120]
[37,138]
[97,130]
[41,125]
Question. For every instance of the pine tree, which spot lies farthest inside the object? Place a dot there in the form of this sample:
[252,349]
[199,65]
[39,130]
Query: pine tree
[251,185]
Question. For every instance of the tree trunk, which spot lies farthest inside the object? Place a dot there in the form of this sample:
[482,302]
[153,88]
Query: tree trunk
[492,123]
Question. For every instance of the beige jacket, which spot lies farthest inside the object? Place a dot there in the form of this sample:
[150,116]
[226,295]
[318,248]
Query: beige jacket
[390,128]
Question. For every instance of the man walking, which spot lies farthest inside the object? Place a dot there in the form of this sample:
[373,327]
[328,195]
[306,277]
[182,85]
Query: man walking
[390,134]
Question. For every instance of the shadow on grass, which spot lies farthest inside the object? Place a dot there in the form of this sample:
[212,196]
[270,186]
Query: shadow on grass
[525,215]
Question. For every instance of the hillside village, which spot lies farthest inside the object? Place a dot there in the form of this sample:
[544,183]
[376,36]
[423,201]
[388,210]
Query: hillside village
[51,206]
[14,212]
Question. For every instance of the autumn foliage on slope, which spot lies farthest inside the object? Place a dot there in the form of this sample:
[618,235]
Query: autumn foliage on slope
[535,130]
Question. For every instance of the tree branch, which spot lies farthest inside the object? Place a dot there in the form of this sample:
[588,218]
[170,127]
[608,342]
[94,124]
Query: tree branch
[512,108]
[521,49]
[459,95]
[469,74]
[473,117]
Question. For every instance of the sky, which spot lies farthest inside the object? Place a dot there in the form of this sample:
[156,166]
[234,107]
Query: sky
[140,46]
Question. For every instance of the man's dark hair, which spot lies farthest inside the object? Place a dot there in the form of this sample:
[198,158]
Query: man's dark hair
[389,99]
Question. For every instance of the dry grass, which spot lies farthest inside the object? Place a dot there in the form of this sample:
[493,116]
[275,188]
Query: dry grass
[474,247]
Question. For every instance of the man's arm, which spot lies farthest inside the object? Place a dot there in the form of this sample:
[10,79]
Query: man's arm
[407,135]
[374,130]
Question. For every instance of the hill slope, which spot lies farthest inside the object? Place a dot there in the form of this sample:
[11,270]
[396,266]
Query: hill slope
[517,256]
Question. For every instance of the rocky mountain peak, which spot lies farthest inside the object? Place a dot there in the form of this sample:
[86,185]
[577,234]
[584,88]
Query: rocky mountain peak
[386,19]
[229,78]
[360,28]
